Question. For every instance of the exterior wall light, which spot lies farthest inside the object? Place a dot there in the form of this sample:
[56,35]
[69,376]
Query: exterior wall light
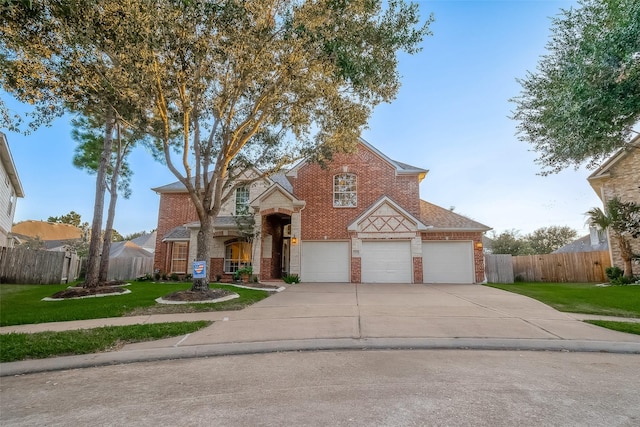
[294,240]
[478,245]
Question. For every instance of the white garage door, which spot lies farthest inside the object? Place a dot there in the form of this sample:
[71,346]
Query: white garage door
[386,262]
[448,262]
[325,262]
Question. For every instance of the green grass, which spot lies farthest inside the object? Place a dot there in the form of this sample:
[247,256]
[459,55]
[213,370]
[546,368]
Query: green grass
[22,304]
[628,327]
[621,301]
[40,345]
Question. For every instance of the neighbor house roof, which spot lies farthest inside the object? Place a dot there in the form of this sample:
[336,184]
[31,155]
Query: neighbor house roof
[146,241]
[9,166]
[595,179]
[47,230]
[442,219]
[128,249]
[583,244]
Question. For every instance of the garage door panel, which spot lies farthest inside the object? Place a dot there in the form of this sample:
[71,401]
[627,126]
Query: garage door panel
[386,262]
[448,262]
[325,262]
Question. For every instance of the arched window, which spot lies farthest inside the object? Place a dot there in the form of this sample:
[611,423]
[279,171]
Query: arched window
[236,256]
[344,191]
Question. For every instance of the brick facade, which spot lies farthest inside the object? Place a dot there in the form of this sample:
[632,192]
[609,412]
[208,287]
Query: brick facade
[622,179]
[175,209]
[376,177]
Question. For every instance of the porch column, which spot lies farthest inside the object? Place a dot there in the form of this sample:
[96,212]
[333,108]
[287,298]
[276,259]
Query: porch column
[294,252]
[256,246]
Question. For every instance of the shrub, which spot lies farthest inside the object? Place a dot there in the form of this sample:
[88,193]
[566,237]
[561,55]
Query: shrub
[174,277]
[613,273]
[146,278]
[291,278]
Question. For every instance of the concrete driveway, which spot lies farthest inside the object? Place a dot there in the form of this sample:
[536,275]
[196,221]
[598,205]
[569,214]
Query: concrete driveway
[364,311]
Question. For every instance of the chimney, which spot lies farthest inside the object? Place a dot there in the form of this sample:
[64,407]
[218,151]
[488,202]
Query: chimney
[594,236]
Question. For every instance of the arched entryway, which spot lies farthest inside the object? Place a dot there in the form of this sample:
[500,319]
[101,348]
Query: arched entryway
[276,246]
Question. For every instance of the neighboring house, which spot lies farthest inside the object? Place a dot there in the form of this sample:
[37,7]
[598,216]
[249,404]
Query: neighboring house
[595,241]
[128,249]
[10,190]
[146,241]
[54,236]
[619,176]
[360,219]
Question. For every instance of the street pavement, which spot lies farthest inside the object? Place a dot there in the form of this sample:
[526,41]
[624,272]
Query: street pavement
[354,316]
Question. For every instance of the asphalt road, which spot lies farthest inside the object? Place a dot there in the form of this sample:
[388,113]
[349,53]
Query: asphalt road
[354,388]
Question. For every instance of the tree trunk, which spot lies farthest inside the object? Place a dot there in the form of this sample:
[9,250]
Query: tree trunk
[203,253]
[111,212]
[626,254]
[93,263]
[108,231]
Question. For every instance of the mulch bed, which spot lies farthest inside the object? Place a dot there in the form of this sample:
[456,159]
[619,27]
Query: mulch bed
[103,288]
[211,294]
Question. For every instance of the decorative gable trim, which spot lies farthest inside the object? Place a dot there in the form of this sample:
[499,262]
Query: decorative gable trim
[288,200]
[386,217]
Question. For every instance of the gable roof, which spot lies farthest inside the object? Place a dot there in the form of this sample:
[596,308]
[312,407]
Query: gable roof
[583,244]
[9,166]
[146,241]
[401,168]
[384,200]
[442,219]
[128,249]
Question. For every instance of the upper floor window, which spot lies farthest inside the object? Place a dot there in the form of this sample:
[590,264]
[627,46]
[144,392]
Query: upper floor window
[12,199]
[344,191]
[242,201]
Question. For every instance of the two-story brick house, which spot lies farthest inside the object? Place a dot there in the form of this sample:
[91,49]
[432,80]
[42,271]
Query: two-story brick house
[619,176]
[10,190]
[359,219]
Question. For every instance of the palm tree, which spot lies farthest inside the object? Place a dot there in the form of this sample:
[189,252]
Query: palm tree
[615,218]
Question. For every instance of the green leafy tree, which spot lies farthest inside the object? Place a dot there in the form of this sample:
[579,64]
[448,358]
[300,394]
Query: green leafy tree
[510,242]
[622,220]
[243,88]
[547,239]
[72,218]
[59,56]
[584,98]
[237,89]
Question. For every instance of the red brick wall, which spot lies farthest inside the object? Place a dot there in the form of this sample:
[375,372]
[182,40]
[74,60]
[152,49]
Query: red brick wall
[417,269]
[356,270]
[175,209]
[478,253]
[375,178]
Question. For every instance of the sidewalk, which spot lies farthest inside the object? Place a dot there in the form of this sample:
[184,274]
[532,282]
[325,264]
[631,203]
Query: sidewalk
[350,316]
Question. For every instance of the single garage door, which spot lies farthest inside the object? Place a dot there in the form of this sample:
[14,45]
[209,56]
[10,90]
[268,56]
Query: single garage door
[325,262]
[386,262]
[448,262]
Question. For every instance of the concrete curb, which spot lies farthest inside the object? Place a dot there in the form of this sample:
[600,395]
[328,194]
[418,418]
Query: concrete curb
[339,344]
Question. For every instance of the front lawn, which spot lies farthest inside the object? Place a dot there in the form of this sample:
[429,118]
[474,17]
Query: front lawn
[621,301]
[49,344]
[22,304]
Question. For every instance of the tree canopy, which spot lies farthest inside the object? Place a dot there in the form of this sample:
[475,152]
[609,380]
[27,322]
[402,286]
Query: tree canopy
[541,241]
[230,90]
[582,102]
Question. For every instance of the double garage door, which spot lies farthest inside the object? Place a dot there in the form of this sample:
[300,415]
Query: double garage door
[388,262]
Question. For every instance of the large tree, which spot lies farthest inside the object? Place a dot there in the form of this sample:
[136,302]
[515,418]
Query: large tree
[582,102]
[622,220]
[54,56]
[243,88]
[236,88]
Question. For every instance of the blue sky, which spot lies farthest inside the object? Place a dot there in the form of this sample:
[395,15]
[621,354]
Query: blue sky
[450,116]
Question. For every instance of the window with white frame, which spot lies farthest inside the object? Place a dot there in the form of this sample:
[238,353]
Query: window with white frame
[242,201]
[12,200]
[179,256]
[237,255]
[344,191]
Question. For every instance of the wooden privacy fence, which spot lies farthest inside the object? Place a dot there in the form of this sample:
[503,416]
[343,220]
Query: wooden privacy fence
[19,265]
[129,268]
[563,267]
